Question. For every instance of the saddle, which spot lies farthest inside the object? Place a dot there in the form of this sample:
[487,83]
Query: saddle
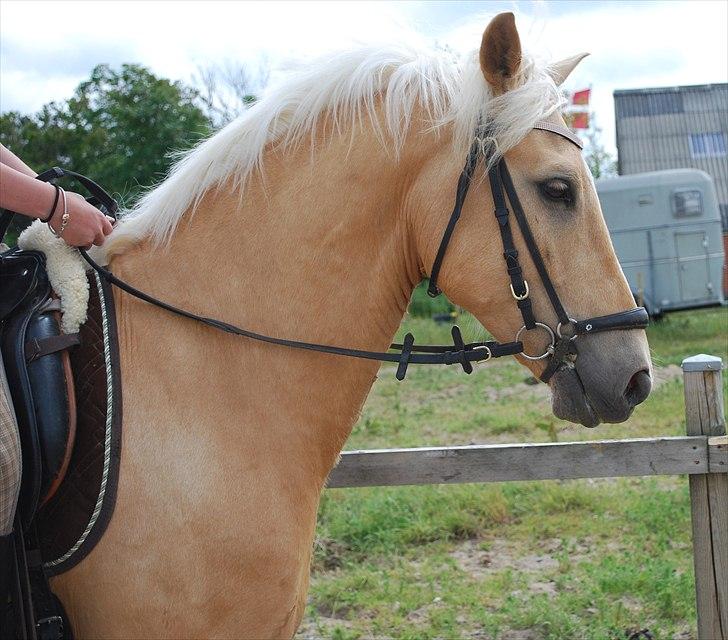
[67,397]
[37,365]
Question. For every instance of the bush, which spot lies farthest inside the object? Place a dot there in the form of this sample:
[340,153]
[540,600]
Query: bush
[422,306]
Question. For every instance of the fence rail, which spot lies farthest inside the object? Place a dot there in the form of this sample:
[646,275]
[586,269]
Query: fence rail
[507,462]
[702,455]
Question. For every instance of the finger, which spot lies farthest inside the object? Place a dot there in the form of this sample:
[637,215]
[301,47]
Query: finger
[106,226]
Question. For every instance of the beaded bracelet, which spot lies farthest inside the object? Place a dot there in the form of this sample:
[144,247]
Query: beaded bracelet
[53,208]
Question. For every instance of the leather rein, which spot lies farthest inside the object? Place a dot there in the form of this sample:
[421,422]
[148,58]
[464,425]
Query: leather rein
[562,342]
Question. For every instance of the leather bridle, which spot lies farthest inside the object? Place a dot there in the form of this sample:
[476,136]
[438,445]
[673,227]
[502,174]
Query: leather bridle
[562,345]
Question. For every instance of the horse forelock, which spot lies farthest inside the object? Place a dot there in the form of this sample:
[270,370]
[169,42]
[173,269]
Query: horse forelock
[384,85]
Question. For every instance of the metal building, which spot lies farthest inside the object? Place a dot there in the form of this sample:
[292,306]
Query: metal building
[675,128]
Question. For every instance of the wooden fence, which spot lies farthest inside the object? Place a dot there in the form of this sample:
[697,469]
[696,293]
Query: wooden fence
[702,455]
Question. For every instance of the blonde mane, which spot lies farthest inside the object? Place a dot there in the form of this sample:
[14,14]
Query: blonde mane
[345,89]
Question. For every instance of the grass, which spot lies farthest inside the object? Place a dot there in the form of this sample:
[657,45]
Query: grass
[586,559]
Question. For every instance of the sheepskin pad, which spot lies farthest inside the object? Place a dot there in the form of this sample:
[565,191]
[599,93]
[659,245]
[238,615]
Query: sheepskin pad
[66,272]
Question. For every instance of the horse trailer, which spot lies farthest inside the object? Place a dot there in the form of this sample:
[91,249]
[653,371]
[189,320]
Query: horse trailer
[666,230]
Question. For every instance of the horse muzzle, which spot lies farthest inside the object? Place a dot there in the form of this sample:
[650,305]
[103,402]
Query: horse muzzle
[610,377]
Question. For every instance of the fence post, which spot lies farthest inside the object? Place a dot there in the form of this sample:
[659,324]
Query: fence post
[702,376]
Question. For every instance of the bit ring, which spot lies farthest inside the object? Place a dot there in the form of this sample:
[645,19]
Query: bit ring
[549,349]
[558,330]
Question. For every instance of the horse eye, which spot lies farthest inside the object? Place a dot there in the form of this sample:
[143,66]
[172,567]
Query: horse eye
[557,190]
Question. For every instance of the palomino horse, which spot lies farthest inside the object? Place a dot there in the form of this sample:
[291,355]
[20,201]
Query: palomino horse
[315,215]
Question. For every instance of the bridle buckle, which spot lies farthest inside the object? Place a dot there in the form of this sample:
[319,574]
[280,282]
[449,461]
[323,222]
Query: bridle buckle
[523,295]
[485,348]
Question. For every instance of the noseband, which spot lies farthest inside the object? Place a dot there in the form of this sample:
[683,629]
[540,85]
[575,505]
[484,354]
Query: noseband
[562,341]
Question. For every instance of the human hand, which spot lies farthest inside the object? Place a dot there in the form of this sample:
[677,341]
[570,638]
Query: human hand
[86,224]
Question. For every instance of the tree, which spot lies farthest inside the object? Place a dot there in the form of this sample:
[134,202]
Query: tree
[225,91]
[118,128]
[600,162]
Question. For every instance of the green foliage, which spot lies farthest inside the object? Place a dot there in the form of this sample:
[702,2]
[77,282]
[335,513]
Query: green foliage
[118,128]
[423,306]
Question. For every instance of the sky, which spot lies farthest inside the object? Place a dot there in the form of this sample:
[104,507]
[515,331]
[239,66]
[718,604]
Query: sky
[47,48]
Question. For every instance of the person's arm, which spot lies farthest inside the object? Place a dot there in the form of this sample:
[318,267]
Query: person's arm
[22,194]
[9,158]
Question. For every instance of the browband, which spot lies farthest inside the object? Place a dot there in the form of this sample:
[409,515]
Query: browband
[545,125]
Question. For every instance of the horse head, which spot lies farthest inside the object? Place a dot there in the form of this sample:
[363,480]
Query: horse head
[608,373]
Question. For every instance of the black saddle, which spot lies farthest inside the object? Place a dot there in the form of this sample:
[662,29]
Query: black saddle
[37,367]
[36,364]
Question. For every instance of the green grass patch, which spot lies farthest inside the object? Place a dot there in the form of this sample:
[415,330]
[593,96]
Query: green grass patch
[587,559]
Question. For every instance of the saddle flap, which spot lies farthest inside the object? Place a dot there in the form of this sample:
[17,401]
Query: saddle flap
[20,272]
[41,388]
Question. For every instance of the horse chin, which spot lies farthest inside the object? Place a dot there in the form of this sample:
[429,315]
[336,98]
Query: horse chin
[569,400]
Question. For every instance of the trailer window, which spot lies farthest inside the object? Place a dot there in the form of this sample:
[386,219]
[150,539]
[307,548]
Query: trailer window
[687,202]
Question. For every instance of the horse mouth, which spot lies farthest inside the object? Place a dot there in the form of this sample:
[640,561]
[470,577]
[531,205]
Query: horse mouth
[569,400]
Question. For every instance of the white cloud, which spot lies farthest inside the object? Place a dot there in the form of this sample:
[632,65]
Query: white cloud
[632,45]
[48,47]
[650,45]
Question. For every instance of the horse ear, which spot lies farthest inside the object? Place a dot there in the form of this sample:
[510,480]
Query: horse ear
[500,52]
[560,70]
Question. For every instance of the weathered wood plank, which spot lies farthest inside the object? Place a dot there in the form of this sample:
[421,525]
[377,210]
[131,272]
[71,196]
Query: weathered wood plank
[718,454]
[718,501]
[708,496]
[499,463]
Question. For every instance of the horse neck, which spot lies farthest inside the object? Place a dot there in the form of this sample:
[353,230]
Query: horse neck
[317,248]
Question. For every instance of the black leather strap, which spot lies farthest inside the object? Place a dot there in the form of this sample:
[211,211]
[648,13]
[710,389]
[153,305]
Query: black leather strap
[474,352]
[404,357]
[519,288]
[637,318]
[427,354]
[463,185]
[39,347]
[94,189]
[563,350]
[6,217]
[531,242]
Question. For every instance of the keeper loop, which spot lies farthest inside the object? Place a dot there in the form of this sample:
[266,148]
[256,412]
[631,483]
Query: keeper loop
[459,345]
[502,216]
[407,344]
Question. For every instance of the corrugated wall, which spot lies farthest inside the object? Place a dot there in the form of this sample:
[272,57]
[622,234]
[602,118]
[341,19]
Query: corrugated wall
[654,128]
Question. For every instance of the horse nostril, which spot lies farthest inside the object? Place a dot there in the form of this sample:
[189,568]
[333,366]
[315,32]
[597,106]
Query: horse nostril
[639,388]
